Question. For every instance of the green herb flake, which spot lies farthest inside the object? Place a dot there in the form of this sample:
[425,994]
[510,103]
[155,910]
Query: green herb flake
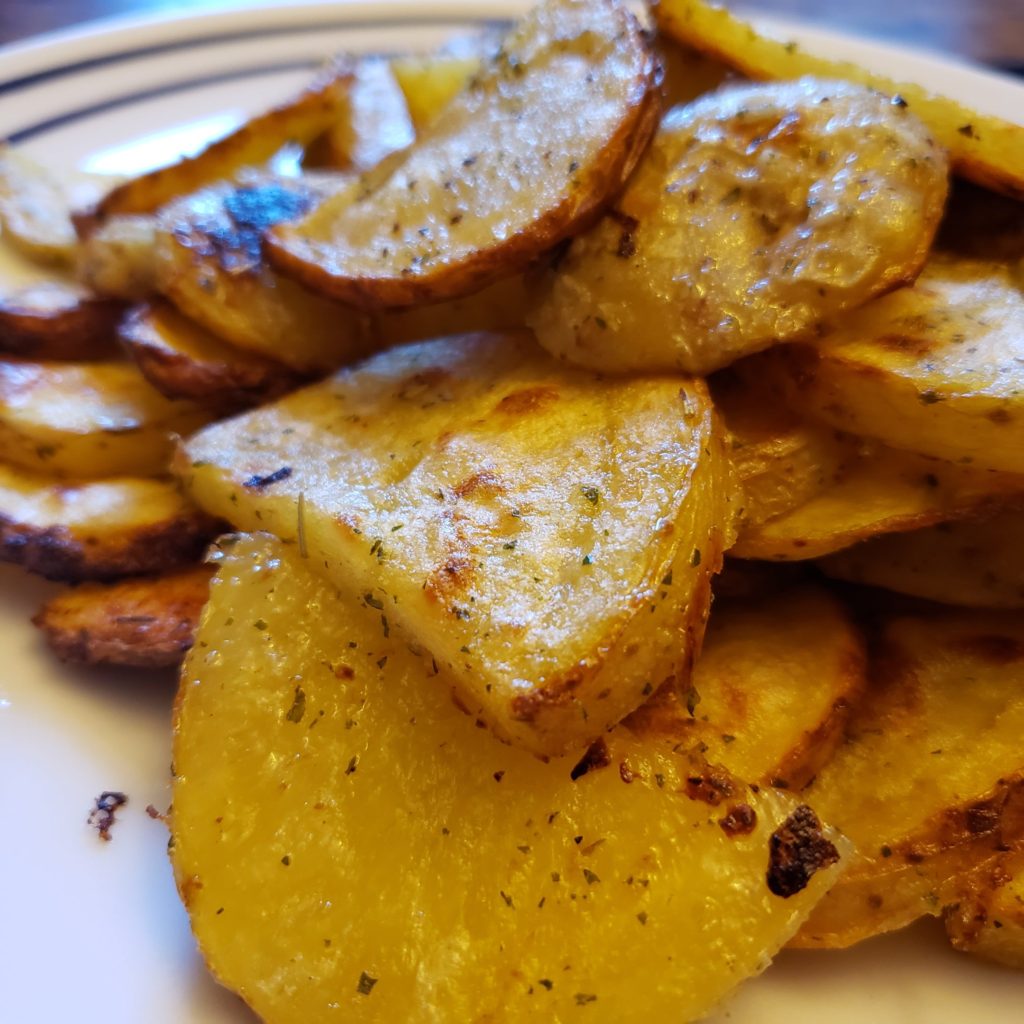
[546,982]
[587,560]
[286,860]
[353,763]
[508,899]
[592,494]
[692,700]
[260,624]
[373,602]
[298,708]
[666,580]
[590,876]
[366,983]
[582,998]
[695,559]
[642,917]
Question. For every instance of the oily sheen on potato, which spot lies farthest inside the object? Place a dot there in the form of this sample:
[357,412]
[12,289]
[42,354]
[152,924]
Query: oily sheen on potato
[549,534]
[517,161]
[758,212]
[349,844]
[931,778]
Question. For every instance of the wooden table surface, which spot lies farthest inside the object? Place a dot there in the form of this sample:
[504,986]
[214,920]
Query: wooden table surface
[989,31]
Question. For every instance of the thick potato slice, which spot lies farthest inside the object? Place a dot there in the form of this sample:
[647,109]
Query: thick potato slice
[772,690]
[57,320]
[88,420]
[183,360]
[937,368]
[96,531]
[430,83]
[932,774]
[148,622]
[520,159]
[878,490]
[375,122]
[298,121]
[119,258]
[983,148]
[759,212]
[988,918]
[210,266]
[347,841]
[549,535]
[976,562]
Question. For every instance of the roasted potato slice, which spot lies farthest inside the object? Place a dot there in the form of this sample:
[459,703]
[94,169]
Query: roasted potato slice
[183,360]
[878,490]
[299,121]
[430,83]
[88,420]
[689,74]
[58,320]
[975,562]
[96,530]
[147,622]
[549,534]
[375,122]
[772,690]
[988,918]
[210,266]
[932,770]
[937,368]
[983,148]
[523,157]
[759,212]
[119,258]
[326,795]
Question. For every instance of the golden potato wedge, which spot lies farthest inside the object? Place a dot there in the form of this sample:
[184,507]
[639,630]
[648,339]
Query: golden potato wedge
[146,622]
[210,266]
[932,773]
[58,320]
[549,534]
[119,258]
[976,562]
[937,368]
[374,123]
[988,918]
[983,148]
[325,797]
[523,157]
[878,490]
[430,83]
[88,420]
[759,212]
[772,690]
[299,121]
[183,360]
[100,530]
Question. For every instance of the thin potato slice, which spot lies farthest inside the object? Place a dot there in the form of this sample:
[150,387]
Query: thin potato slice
[523,157]
[119,258]
[549,535]
[771,693]
[56,320]
[347,842]
[983,148]
[759,212]
[298,121]
[976,562]
[210,265]
[183,360]
[876,491]
[932,774]
[88,420]
[430,83]
[937,368]
[148,622]
[96,531]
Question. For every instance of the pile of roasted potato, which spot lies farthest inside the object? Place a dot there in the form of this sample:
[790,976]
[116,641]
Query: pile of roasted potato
[628,463]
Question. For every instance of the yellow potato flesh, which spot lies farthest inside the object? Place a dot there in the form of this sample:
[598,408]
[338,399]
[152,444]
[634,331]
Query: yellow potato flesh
[988,919]
[88,420]
[347,841]
[429,84]
[119,258]
[549,534]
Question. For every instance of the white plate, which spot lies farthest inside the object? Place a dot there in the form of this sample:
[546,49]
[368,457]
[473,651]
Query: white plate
[91,931]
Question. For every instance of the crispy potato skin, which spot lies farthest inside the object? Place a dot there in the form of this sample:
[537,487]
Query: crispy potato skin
[148,622]
[982,148]
[395,800]
[54,320]
[519,160]
[183,360]
[758,213]
[952,788]
[522,517]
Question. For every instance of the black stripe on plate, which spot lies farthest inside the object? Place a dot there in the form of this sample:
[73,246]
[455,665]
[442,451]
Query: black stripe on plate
[240,35]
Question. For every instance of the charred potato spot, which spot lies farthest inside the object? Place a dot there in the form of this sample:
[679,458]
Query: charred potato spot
[797,850]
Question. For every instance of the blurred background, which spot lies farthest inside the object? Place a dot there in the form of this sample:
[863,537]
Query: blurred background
[987,31]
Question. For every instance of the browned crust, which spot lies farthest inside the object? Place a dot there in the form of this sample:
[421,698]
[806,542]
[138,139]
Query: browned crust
[607,173]
[797,850]
[139,623]
[76,327]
